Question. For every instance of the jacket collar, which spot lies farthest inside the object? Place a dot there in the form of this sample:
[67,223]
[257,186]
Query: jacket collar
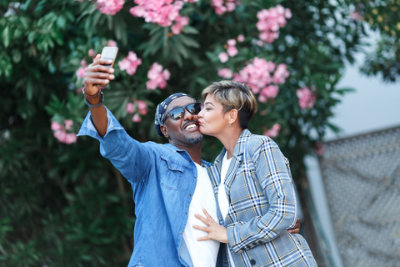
[184,153]
[239,148]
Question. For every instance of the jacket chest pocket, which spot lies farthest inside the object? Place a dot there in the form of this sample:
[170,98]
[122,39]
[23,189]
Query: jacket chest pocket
[171,174]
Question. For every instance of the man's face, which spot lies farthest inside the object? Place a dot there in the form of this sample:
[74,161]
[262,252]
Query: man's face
[184,131]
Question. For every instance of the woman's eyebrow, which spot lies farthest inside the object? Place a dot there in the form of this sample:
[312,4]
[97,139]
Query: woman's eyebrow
[208,103]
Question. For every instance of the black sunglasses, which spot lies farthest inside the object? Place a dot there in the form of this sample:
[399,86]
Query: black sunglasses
[178,112]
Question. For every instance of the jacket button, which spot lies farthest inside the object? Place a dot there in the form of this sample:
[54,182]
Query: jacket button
[253,262]
[190,195]
[194,177]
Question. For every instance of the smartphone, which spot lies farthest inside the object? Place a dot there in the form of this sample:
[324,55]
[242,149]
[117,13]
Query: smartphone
[109,53]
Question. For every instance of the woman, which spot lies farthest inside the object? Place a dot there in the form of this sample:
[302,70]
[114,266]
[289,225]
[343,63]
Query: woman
[255,192]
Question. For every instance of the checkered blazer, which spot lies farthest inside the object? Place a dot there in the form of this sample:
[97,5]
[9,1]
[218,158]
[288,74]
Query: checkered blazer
[262,207]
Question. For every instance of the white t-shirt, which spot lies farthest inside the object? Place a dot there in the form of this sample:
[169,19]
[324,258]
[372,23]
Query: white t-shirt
[203,253]
[222,197]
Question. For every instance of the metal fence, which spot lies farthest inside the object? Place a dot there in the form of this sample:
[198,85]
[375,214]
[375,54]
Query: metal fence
[362,181]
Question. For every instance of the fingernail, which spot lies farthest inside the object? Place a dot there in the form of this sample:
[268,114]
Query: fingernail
[111,70]
[112,77]
[109,61]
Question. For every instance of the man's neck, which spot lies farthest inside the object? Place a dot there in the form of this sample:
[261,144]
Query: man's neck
[194,150]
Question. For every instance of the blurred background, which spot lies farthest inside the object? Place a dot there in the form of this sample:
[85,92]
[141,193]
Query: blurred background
[326,74]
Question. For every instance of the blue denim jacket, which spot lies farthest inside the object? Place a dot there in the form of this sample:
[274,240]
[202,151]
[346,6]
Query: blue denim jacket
[163,180]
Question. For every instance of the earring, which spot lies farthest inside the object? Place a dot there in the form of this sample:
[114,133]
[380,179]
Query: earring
[230,125]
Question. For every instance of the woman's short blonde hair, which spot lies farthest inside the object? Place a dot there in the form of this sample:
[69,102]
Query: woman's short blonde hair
[234,95]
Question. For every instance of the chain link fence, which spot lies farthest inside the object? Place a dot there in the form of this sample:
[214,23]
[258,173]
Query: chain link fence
[362,181]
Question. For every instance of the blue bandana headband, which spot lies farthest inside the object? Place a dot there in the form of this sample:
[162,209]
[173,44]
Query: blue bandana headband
[162,107]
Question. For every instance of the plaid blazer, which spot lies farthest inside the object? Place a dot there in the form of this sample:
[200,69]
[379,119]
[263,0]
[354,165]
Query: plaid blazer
[262,207]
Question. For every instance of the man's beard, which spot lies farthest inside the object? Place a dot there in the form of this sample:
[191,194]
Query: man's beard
[194,140]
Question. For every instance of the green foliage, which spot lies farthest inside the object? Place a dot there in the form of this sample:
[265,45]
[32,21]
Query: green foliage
[382,17]
[64,205]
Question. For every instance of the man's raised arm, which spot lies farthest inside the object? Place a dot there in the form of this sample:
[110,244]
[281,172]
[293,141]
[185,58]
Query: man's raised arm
[96,75]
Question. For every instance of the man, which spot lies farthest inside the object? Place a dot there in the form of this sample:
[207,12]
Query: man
[170,182]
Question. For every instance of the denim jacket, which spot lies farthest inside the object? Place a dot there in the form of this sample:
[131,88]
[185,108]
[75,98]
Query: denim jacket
[163,180]
[262,207]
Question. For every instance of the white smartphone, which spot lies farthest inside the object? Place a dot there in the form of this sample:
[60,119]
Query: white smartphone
[109,53]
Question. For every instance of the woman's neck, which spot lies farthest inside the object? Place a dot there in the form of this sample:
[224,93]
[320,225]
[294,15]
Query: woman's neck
[229,140]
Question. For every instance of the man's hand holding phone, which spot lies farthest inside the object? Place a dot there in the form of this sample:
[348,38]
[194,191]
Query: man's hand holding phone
[100,72]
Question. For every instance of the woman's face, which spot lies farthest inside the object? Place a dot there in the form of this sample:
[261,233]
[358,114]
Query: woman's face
[212,120]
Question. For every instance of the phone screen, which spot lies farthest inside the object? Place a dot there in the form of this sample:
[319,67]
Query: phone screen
[109,53]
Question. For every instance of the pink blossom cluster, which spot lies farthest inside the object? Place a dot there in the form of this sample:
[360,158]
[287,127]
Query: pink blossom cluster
[231,51]
[158,77]
[112,43]
[140,106]
[269,21]
[306,98]
[60,132]
[262,76]
[80,73]
[225,73]
[130,63]
[180,22]
[222,6]
[110,7]
[274,131]
[162,12]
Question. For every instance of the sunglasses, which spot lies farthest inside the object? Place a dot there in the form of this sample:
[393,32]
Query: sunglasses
[178,112]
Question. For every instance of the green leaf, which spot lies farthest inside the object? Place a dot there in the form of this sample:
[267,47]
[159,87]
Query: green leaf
[6,36]
[29,89]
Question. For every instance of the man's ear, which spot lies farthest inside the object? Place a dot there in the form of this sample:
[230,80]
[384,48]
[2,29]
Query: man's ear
[164,130]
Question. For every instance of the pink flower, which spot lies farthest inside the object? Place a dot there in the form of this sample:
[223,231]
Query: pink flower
[355,16]
[110,7]
[223,57]
[157,77]
[91,52]
[306,98]
[142,106]
[221,6]
[68,124]
[240,38]
[56,126]
[130,108]
[281,73]
[130,63]
[136,118]
[270,91]
[80,73]
[231,42]
[70,138]
[230,7]
[112,43]
[270,20]
[180,22]
[274,131]
[225,73]
[232,51]
[162,12]
[60,133]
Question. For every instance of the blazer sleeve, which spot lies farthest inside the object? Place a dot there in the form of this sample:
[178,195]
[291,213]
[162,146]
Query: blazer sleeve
[125,153]
[273,175]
